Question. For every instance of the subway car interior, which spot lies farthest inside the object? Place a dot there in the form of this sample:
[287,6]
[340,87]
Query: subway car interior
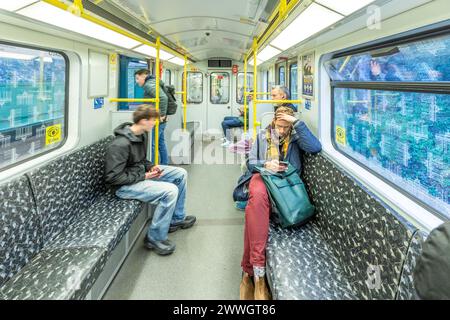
[224,150]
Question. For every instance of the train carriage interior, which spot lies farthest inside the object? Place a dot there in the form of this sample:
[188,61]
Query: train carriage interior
[128,131]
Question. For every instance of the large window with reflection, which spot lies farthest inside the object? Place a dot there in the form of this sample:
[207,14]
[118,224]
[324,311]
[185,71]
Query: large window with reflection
[240,86]
[220,88]
[33,102]
[391,114]
[194,87]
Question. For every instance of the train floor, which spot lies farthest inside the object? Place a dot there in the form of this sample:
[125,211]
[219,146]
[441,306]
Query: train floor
[206,262]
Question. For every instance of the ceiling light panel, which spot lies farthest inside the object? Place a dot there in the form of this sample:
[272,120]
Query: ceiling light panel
[314,19]
[177,61]
[13,5]
[151,51]
[63,19]
[268,53]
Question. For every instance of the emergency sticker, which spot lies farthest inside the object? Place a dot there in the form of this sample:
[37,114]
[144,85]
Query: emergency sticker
[341,136]
[53,134]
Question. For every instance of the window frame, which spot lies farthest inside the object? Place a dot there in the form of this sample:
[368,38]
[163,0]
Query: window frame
[415,87]
[237,84]
[66,102]
[187,85]
[210,87]
[170,76]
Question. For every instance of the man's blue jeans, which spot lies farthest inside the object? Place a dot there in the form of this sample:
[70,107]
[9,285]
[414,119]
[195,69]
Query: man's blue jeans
[228,123]
[163,154]
[168,193]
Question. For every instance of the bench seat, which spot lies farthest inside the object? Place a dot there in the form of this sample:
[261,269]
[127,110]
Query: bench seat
[61,226]
[357,247]
[302,268]
[102,225]
[57,274]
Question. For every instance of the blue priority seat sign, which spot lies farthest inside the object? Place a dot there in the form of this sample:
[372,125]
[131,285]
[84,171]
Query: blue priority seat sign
[99,103]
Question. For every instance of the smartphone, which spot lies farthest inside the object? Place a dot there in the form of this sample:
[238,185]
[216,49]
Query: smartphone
[284,164]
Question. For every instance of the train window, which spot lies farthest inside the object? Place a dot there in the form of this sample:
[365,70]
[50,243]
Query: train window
[266,83]
[220,88]
[282,76]
[167,79]
[127,84]
[293,81]
[423,61]
[240,86]
[195,87]
[33,102]
[391,114]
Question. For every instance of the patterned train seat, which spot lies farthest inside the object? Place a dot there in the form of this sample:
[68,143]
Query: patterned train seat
[59,226]
[356,248]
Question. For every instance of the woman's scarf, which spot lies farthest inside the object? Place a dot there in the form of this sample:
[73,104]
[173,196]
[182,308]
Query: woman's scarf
[274,143]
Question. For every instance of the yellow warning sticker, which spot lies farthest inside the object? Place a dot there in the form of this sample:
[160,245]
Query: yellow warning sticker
[53,134]
[341,136]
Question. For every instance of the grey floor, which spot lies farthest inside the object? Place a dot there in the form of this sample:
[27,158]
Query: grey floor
[206,263]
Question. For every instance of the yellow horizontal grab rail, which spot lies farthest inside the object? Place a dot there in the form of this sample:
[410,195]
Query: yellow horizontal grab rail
[258,124]
[259,93]
[181,92]
[134,100]
[279,101]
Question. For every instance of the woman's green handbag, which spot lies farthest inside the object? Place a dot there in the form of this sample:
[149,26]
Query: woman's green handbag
[290,201]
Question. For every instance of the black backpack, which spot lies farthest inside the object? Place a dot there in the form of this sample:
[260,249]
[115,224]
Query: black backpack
[172,101]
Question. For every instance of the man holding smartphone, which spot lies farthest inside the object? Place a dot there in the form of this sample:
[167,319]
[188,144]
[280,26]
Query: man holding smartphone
[132,176]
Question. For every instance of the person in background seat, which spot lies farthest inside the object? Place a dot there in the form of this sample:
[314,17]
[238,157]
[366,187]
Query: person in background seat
[232,122]
[282,93]
[286,139]
[132,176]
[148,83]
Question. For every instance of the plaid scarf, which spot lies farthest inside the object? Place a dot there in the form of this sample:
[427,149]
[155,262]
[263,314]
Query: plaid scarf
[274,143]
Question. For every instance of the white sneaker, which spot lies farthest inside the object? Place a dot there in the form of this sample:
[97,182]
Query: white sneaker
[226,144]
[224,140]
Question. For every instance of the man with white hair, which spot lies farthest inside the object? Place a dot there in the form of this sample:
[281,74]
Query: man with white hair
[282,93]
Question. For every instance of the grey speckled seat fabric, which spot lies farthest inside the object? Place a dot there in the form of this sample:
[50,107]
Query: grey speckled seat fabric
[20,230]
[102,225]
[366,242]
[57,245]
[56,275]
[318,275]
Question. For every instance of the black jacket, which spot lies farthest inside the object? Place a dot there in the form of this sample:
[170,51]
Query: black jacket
[126,158]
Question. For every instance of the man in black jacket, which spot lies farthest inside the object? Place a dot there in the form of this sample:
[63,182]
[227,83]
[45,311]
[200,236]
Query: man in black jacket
[134,177]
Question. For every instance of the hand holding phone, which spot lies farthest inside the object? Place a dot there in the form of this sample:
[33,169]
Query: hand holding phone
[283,165]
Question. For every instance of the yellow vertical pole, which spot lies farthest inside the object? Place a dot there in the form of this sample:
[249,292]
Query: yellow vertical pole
[158,75]
[185,94]
[255,86]
[245,95]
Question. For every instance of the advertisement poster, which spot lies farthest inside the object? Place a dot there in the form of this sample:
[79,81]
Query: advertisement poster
[308,74]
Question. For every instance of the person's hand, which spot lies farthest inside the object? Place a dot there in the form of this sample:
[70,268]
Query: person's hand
[154,173]
[375,68]
[287,118]
[274,166]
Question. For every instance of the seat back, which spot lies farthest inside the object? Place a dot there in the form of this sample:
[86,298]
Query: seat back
[20,229]
[67,185]
[370,239]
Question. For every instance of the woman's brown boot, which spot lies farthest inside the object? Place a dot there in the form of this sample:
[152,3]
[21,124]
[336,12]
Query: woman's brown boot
[261,289]
[247,289]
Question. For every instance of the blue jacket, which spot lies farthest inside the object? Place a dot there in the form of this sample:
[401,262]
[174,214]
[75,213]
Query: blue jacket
[302,140]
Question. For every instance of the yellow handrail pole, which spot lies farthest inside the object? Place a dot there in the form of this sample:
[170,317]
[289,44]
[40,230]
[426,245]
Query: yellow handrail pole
[185,95]
[156,137]
[255,85]
[282,12]
[245,95]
